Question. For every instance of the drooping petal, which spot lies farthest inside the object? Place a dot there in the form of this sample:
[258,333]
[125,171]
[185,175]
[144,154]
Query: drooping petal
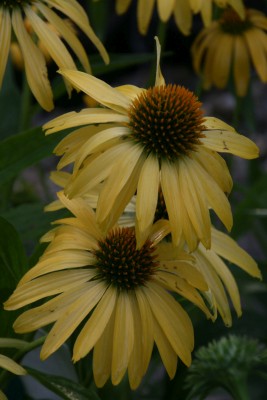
[72,317]
[96,324]
[98,90]
[227,248]
[66,33]
[35,66]
[241,66]
[123,339]
[10,365]
[147,196]
[144,14]
[230,142]
[173,320]
[5,38]
[83,117]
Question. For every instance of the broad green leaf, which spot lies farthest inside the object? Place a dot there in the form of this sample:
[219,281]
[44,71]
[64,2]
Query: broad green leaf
[23,150]
[9,104]
[13,260]
[31,221]
[67,389]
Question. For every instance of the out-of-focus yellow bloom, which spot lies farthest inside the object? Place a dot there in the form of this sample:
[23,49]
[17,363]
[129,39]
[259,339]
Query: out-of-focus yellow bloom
[122,293]
[41,15]
[181,10]
[232,44]
[145,139]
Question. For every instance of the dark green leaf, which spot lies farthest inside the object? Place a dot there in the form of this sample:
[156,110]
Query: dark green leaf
[13,260]
[25,149]
[9,104]
[67,389]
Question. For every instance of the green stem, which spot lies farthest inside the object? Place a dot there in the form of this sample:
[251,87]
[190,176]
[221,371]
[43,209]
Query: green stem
[239,391]
[4,376]
[25,107]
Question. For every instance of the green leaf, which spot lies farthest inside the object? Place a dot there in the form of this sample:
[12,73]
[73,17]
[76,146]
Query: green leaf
[23,150]
[31,221]
[9,104]
[67,389]
[13,260]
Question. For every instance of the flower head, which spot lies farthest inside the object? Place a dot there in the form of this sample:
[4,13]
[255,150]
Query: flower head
[123,293]
[143,141]
[232,44]
[40,15]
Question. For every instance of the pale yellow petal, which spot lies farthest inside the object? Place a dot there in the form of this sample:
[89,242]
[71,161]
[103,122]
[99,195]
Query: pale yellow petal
[215,166]
[102,355]
[71,318]
[51,41]
[147,196]
[241,67]
[95,172]
[167,354]
[93,144]
[98,90]
[195,200]
[227,248]
[34,62]
[66,33]
[5,35]
[119,174]
[123,339]
[96,324]
[159,81]
[171,193]
[228,280]
[254,38]
[122,6]
[147,328]
[165,9]
[76,13]
[83,117]
[11,366]
[223,60]
[50,311]
[173,320]
[183,16]
[45,286]
[220,300]
[144,14]
[216,199]
[230,142]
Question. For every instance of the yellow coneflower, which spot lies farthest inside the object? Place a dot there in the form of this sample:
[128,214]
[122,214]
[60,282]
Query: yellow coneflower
[205,8]
[40,14]
[7,363]
[182,11]
[122,293]
[232,44]
[144,140]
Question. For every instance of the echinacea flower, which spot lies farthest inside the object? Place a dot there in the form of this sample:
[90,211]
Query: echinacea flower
[121,293]
[38,13]
[145,140]
[229,46]
[210,263]
[182,11]
[205,7]
[7,363]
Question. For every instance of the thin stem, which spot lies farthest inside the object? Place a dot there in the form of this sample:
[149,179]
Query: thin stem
[4,376]
[25,106]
